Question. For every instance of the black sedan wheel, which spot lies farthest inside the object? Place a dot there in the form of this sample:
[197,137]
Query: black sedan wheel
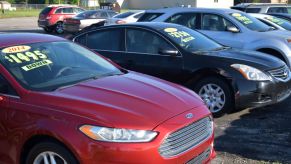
[50,153]
[216,94]
[59,28]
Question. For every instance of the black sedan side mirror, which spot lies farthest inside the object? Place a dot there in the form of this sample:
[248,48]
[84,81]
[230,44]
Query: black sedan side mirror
[170,52]
[232,29]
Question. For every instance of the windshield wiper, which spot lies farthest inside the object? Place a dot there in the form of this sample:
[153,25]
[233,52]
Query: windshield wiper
[87,79]
[220,48]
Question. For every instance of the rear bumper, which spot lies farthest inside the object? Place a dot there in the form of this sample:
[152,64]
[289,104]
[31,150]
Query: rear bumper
[43,23]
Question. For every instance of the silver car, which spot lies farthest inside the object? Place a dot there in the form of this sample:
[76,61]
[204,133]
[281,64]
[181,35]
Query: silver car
[85,19]
[126,17]
[273,21]
[263,7]
[229,27]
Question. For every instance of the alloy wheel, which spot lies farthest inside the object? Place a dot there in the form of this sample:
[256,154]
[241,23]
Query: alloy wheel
[49,157]
[213,96]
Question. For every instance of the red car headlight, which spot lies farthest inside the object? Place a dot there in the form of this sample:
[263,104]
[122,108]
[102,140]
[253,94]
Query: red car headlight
[117,135]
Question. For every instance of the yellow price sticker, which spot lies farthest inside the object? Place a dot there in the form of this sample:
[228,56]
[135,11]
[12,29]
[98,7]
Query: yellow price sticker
[36,65]
[16,49]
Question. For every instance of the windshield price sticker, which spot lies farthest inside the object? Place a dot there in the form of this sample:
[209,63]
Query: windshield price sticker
[275,20]
[242,18]
[184,36]
[25,57]
[16,49]
[22,55]
[36,65]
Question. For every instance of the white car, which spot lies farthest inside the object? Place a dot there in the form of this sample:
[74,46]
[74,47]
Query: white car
[273,21]
[126,17]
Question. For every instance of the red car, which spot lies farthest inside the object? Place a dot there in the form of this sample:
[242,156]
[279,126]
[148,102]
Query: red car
[61,103]
[51,18]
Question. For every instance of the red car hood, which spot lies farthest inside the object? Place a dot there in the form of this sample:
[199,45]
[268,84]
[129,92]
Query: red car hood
[128,101]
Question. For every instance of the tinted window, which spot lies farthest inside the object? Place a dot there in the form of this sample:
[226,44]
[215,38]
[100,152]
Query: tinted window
[145,42]
[111,14]
[138,15]
[238,8]
[147,17]
[58,11]
[214,23]
[67,10]
[190,40]
[7,88]
[277,10]
[250,22]
[78,10]
[46,10]
[105,40]
[50,65]
[188,19]
[86,14]
[253,10]
[104,14]
[124,15]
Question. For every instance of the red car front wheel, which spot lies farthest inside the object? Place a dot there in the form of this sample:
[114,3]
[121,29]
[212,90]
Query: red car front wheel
[50,153]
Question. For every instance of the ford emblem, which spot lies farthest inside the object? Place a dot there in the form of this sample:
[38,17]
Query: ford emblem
[189,115]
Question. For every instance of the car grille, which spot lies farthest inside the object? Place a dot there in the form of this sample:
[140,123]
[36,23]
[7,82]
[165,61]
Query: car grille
[282,74]
[201,157]
[186,138]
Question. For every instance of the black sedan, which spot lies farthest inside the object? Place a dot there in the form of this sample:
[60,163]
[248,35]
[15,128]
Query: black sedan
[225,78]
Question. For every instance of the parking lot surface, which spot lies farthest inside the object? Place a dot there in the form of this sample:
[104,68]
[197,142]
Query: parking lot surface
[247,136]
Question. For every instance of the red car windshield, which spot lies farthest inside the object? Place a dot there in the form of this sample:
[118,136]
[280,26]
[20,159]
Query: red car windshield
[51,65]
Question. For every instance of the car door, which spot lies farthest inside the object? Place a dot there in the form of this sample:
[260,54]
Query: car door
[7,93]
[107,42]
[144,53]
[215,27]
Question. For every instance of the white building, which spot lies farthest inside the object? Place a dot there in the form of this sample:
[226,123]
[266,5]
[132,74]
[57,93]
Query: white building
[6,5]
[89,3]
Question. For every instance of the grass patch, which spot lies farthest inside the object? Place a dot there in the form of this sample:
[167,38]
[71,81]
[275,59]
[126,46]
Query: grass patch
[20,13]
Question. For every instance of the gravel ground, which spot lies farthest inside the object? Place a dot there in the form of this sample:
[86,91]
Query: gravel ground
[249,136]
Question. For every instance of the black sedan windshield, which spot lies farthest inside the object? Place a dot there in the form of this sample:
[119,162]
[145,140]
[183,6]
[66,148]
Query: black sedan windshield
[48,66]
[190,40]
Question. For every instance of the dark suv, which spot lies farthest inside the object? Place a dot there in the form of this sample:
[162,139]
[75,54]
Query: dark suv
[51,18]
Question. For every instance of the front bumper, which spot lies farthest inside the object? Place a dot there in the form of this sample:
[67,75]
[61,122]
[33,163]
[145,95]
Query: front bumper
[90,151]
[252,94]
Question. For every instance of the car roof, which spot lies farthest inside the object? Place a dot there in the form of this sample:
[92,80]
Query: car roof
[185,9]
[260,4]
[151,25]
[259,15]
[11,39]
